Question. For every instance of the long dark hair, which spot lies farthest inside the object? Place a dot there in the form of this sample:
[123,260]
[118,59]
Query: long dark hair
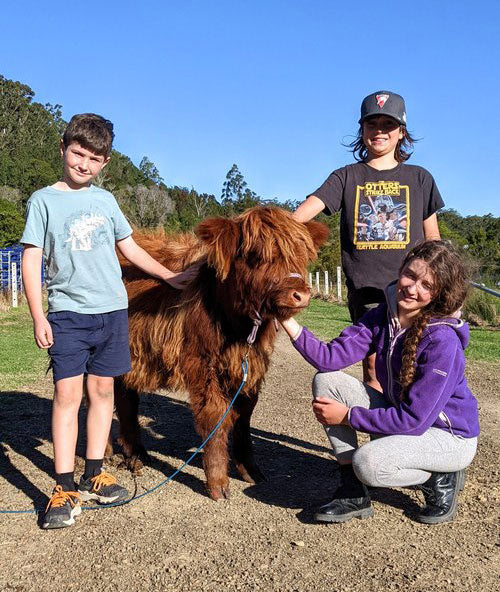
[402,152]
[448,294]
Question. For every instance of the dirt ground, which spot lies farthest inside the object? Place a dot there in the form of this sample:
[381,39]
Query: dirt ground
[263,538]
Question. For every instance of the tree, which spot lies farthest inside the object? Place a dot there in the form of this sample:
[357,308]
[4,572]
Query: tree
[478,236]
[150,172]
[236,196]
[192,207]
[329,255]
[122,173]
[146,207]
[13,195]
[234,185]
[11,224]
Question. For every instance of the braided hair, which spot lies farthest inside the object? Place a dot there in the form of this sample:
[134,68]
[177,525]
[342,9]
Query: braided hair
[448,295]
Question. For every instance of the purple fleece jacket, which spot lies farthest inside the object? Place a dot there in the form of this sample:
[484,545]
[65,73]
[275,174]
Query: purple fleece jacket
[439,396]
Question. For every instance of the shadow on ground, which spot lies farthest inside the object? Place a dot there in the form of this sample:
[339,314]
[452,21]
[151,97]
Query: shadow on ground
[300,474]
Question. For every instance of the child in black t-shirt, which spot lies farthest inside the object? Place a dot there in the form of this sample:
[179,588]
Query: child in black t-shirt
[386,206]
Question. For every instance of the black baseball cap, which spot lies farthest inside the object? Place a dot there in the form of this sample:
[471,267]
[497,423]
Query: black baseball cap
[384,102]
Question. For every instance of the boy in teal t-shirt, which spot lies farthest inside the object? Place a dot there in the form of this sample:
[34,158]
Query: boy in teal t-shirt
[77,226]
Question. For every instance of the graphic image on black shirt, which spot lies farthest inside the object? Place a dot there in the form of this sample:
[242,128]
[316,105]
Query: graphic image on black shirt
[382,216]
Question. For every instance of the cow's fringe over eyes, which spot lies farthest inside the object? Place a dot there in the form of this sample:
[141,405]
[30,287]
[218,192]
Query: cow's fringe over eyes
[274,235]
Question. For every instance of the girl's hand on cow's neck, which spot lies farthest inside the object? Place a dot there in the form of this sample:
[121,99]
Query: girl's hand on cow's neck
[292,328]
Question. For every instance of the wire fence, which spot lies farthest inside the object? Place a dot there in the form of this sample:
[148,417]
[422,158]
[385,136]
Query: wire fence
[11,272]
[9,256]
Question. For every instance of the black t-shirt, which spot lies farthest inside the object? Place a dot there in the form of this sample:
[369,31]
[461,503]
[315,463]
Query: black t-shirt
[382,215]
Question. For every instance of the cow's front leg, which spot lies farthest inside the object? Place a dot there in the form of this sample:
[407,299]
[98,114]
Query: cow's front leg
[242,441]
[208,410]
[127,410]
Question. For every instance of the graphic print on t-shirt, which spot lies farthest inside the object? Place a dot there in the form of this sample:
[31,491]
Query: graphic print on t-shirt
[382,215]
[84,230]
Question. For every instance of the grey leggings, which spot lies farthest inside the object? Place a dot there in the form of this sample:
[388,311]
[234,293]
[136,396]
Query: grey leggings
[389,461]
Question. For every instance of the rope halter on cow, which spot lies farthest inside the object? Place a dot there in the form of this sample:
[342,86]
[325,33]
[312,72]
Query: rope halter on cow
[257,322]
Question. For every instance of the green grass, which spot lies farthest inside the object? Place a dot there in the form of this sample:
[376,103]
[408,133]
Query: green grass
[327,320]
[484,345]
[21,362]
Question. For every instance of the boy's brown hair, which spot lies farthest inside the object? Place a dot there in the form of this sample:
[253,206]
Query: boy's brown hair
[92,132]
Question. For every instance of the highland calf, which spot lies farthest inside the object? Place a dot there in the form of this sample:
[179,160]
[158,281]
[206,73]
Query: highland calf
[251,270]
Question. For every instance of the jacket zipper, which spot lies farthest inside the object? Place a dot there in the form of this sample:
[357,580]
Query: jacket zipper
[392,342]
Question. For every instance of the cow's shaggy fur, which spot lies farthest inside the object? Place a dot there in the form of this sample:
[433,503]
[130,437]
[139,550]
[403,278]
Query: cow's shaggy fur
[196,339]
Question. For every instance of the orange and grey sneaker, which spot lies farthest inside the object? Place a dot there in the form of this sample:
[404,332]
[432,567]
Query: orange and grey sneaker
[62,508]
[102,488]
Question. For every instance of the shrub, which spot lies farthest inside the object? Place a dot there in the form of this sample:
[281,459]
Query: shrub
[481,308]
[11,224]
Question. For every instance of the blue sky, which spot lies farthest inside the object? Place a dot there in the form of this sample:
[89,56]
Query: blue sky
[273,86]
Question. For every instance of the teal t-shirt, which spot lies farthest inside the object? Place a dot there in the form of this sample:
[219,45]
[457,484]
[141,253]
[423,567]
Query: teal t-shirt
[78,231]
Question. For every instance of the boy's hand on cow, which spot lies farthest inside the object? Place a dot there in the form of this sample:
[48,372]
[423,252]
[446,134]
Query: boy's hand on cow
[181,279]
[330,412]
[43,333]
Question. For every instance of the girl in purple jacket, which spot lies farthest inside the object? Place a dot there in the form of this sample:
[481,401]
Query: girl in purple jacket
[424,425]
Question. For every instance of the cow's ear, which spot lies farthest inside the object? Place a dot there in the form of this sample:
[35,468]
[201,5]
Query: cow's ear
[222,239]
[319,232]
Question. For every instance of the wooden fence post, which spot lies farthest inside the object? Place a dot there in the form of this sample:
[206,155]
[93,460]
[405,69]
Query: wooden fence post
[317,282]
[339,284]
[326,283]
[14,284]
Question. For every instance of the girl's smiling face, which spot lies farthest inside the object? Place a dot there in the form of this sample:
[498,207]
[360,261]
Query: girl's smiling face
[381,134]
[415,288]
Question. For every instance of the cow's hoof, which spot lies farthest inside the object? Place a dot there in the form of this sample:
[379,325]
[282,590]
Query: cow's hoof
[218,494]
[251,473]
[133,463]
[108,452]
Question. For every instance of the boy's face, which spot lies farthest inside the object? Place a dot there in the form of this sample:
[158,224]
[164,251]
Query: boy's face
[81,165]
[381,134]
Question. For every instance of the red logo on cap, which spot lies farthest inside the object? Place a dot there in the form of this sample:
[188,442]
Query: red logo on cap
[381,99]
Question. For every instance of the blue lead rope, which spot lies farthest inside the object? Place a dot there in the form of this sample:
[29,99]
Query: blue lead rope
[244,367]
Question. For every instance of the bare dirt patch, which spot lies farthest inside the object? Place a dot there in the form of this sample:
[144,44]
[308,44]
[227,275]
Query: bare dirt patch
[263,538]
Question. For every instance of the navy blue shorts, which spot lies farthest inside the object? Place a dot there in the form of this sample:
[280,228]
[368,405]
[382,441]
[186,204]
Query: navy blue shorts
[89,344]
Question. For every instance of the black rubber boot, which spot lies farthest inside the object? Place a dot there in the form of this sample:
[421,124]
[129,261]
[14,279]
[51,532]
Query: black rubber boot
[351,500]
[441,497]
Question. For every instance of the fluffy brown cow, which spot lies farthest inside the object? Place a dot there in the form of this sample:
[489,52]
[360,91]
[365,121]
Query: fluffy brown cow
[251,267]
